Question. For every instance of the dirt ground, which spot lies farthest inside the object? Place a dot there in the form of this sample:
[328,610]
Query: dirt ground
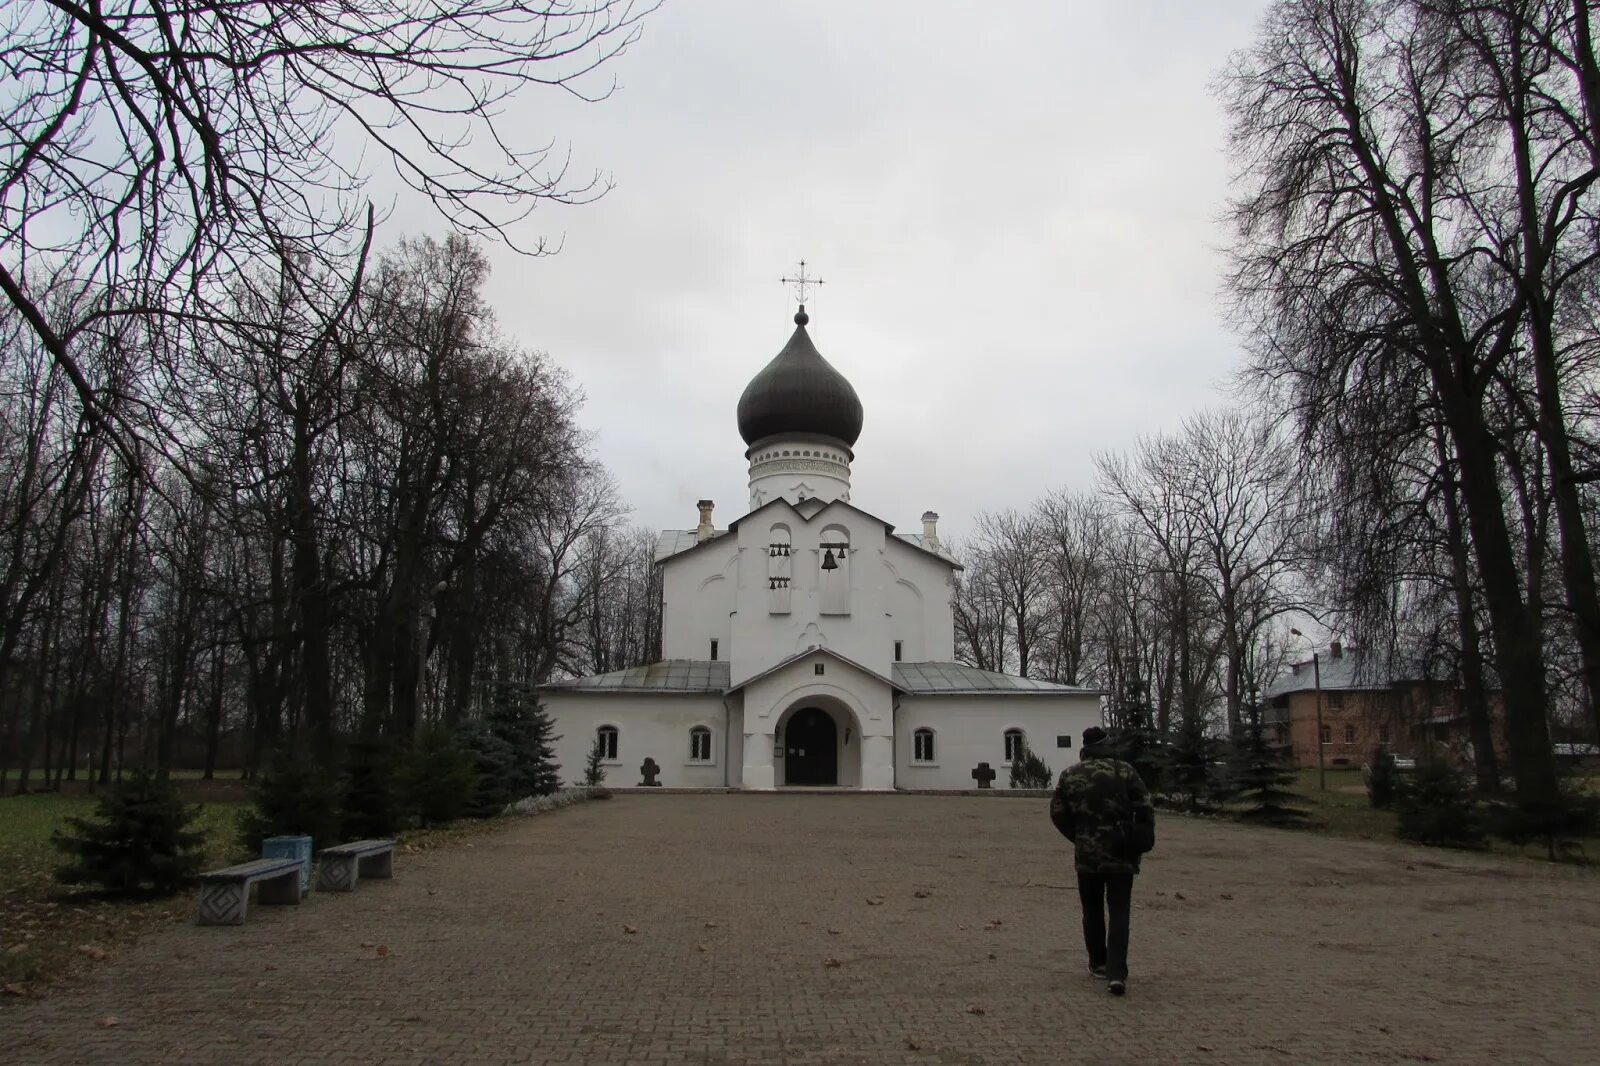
[859,929]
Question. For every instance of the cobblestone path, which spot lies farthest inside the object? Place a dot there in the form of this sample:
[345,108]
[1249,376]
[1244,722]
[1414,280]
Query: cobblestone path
[859,929]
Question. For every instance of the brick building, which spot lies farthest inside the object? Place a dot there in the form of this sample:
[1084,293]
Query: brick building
[1365,703]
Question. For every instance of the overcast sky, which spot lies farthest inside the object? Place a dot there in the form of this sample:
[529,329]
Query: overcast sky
[1014,207]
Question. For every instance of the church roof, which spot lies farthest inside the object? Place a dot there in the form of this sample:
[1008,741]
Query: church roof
[714,678]
[670,675]
[959,679]
[799,392]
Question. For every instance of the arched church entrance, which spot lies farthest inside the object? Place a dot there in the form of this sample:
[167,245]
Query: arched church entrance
[811,748]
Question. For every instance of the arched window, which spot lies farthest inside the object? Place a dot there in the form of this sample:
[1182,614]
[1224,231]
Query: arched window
[922,745]
[607,735]
[699,744]
[1016,744]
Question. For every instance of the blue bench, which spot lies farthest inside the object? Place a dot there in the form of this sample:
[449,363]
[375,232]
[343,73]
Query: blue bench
[225,893]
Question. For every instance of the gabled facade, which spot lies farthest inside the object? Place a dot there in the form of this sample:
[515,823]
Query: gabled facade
[808,644]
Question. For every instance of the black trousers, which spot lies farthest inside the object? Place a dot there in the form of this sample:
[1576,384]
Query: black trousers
[1108,945]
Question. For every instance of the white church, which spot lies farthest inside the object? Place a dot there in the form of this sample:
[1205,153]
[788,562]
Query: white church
[808,644]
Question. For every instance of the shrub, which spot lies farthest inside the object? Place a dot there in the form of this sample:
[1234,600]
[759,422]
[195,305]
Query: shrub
[594,771]
[1030,771]
[138,841]
[372,802]
[1263,775]
[293,796]
[440,783]
[1560,824]
[1437,807]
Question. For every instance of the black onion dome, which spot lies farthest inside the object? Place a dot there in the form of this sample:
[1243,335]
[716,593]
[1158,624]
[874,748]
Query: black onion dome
[799,392]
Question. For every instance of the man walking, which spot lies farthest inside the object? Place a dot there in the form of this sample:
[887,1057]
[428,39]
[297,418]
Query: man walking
[1102,806]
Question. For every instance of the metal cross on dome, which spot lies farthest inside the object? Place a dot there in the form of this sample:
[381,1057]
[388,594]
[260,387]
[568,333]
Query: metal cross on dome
[800,283]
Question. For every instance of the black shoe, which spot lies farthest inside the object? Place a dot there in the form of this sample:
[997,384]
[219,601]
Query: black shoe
[1118,987]
[1097,970]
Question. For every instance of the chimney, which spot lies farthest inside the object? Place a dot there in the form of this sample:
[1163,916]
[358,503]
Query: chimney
[930,530]
[1335,649]
[704,531]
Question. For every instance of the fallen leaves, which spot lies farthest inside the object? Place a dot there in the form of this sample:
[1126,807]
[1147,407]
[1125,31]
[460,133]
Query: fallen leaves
[920,894]
[874,901]
[12,990]
[383,951]
[1179,895]
[832,963]
[630,929]
[833,932]
[711,925]
[1227,895]
[994,923]
[973,1008]
[109,1022]
[94,951]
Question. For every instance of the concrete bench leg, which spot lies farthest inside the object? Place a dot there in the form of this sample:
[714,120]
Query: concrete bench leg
[223,902]
[279,890]
[379,866]
[337,873]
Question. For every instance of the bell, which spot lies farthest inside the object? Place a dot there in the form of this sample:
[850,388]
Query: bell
[827,561]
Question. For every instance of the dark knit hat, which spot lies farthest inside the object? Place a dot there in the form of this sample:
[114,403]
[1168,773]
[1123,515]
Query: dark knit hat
[1094,735]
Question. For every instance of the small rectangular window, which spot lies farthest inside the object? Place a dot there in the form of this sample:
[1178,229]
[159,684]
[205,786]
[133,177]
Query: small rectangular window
[899,647]
[1335,701]
[1327,734]
[1064,742]
[700,745]
[817,669]
[922,745]
[1349,734]
[713,649]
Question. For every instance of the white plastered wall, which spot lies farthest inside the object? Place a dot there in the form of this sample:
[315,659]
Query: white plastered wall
[971,729]
[861,707]
[654,725]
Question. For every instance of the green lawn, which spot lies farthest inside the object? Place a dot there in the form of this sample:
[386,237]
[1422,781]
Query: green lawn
[45,925]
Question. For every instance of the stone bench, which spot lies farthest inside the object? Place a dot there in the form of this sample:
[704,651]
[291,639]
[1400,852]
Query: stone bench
[225,894]
[339,868]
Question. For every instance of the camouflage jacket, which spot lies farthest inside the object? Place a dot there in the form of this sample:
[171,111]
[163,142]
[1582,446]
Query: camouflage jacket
[1090,800]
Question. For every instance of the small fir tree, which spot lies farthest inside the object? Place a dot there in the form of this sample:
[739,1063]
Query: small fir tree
[293,797]
[1381,778]
[1194,770]
[594,771]
[372,801]
[440,783]
[138,842]
[518,718]
[1263,776]
[1028,770]
[1143,749]
[1437,807]
[495,765]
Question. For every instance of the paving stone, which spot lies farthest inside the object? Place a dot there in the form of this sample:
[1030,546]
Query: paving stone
[514,950]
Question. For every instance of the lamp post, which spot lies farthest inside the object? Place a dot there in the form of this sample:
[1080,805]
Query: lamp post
[1316,680]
